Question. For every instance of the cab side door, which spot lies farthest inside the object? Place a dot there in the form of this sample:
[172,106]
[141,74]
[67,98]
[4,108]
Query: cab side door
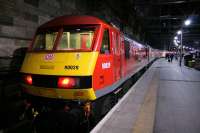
[103,74]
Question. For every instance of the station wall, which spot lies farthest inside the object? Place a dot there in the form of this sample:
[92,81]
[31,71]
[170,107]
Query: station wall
[20,18]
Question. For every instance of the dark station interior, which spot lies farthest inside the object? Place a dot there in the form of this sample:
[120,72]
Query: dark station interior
[160,93]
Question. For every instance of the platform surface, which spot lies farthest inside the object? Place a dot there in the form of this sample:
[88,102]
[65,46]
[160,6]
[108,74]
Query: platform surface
[178,101]
[166,99]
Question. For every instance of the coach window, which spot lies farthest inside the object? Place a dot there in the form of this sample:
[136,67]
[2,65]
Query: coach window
[105,46]
[127,49]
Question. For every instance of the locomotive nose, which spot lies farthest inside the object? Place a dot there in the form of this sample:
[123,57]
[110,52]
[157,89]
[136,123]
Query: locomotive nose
[62,64]
[59,75]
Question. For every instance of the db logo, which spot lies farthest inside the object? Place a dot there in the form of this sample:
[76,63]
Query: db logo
[49,56]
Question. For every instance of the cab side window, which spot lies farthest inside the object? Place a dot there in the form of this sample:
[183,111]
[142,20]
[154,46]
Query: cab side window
[105,46]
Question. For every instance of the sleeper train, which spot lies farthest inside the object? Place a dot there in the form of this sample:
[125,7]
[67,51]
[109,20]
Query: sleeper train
[78,64]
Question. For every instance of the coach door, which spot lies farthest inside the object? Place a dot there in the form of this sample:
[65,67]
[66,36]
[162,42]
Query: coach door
[117,56]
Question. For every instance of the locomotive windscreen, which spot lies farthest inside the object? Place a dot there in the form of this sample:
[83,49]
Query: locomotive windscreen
[72,38]
[77,38]
[44,40]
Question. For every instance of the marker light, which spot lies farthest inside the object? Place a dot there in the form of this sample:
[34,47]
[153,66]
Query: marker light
[66,82]
[28,79]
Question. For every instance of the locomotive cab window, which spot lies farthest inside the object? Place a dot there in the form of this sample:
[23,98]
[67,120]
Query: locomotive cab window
[76,38]
[45,40]
[105,46]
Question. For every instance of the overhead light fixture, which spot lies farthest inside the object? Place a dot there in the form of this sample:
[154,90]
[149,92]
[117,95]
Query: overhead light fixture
[179,32]
[187,22]
[175,38]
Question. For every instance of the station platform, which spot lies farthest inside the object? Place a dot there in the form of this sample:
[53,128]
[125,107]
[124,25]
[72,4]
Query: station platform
[166,99]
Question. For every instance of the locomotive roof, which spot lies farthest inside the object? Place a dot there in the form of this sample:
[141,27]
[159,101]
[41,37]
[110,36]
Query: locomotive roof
[73,20]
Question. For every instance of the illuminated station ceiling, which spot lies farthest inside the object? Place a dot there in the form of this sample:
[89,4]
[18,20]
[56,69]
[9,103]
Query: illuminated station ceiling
[161,19]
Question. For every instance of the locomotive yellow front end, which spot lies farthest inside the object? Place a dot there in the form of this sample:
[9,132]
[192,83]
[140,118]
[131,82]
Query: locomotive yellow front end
[60,64]
[59,75]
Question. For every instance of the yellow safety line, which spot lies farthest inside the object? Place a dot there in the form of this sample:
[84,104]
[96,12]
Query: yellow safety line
[145,119]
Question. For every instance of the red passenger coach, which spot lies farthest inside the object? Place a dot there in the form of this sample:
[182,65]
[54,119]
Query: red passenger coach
[80,63]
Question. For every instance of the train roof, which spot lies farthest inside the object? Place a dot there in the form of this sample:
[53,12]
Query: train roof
[83,20]
[73,20]
[133,42]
